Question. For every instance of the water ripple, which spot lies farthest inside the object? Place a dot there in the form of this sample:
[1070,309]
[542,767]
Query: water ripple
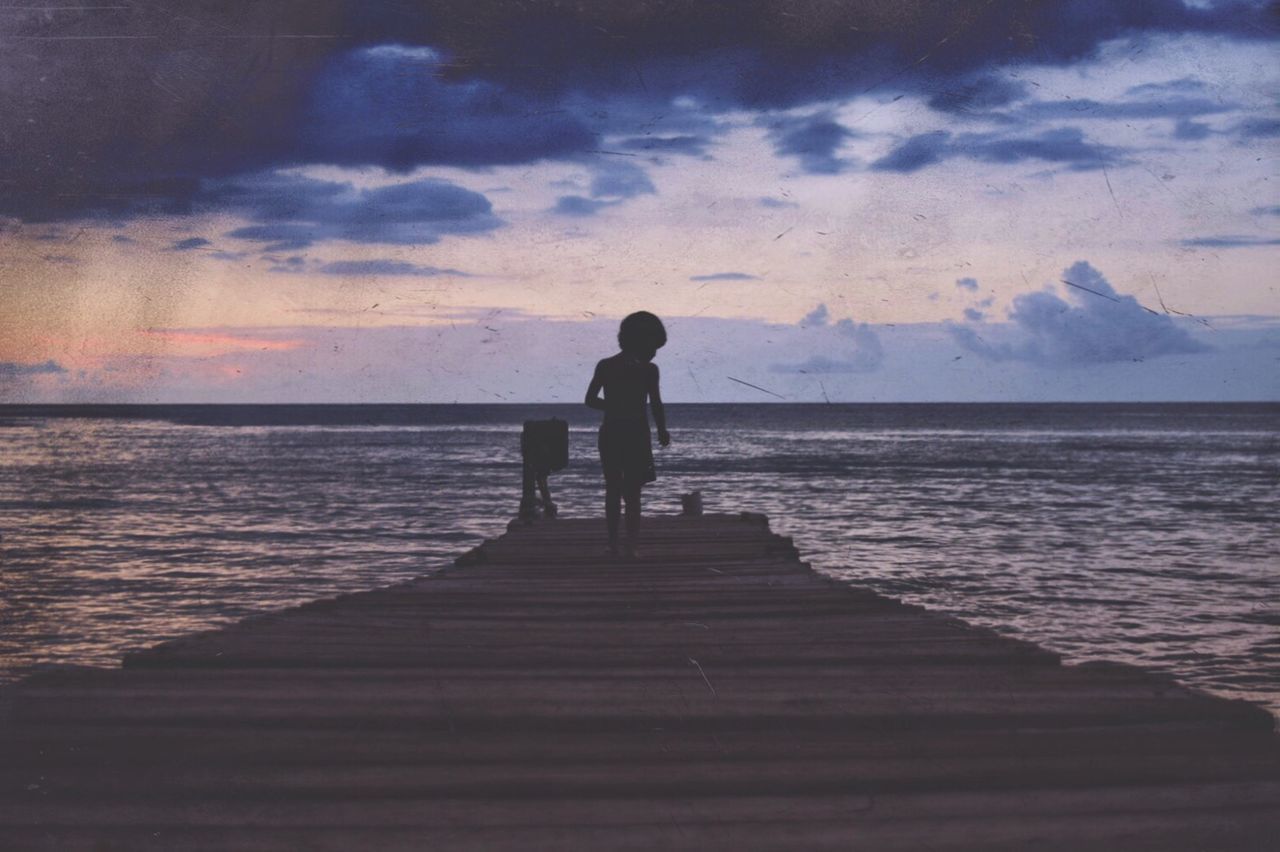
[1140,533]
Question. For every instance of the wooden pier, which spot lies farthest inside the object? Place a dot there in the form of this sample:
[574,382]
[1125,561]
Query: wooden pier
[718,694]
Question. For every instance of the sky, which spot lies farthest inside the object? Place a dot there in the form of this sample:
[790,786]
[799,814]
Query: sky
[458,200]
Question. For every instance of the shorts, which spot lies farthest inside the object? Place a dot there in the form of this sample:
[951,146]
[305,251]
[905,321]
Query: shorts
[626,452]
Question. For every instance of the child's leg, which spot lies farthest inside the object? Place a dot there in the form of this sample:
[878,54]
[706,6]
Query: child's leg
[632,495]
[613,507]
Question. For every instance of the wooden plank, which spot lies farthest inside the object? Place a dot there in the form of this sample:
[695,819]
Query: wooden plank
[717,695]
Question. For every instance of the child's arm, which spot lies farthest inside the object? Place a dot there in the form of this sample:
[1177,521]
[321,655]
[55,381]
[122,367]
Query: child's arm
[655,403]
[594,400]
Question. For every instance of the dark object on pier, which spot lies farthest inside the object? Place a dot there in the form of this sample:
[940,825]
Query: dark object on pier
[544,448]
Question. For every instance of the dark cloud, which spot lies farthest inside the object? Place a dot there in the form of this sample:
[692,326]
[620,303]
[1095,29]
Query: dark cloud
[771,53]
[390,106]
[1190,131]
[1062,145]
[1230,241]
[576,205]
[1259,128]
[776,203]
[917,152]
[978,95]
[1084,108]
[621,180]
[974,312]
[814,140]
[126,110]
[612,184]
[189,243]
[291,211]
[372,268]
[1093,325]
[1273,210]
[13,369]
[691,145]
[119,109]
[725,276]
[1181,86]
[278,237]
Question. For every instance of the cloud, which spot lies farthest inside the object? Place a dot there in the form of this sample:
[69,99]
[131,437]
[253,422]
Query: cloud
[1259,128]
[1094,325]
[978,95]
[776,203]
[1084,108]
[291,211]
[814,140]
[611,184]
[725,276]
[974,315]
[817,316]
[13,369]
[856,347]
[278,237]
[766,55]
[1165,88]
[621,180]
[919,151]
[190,243]
[368,268]
[970,284]
[1230,241]
[1061,145]
[687,144]
[397,86]
[393,106]
[1273,210]
[576,205]
[1190,131]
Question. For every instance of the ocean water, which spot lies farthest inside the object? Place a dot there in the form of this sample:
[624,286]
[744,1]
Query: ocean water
[1141,533]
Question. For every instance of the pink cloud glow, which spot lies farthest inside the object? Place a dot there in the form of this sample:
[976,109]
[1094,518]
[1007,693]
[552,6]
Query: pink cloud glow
[199,342]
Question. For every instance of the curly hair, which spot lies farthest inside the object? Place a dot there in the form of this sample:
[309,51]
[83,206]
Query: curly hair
[641,330]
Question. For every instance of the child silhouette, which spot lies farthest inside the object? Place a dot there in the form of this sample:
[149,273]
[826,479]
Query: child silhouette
[629,380]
